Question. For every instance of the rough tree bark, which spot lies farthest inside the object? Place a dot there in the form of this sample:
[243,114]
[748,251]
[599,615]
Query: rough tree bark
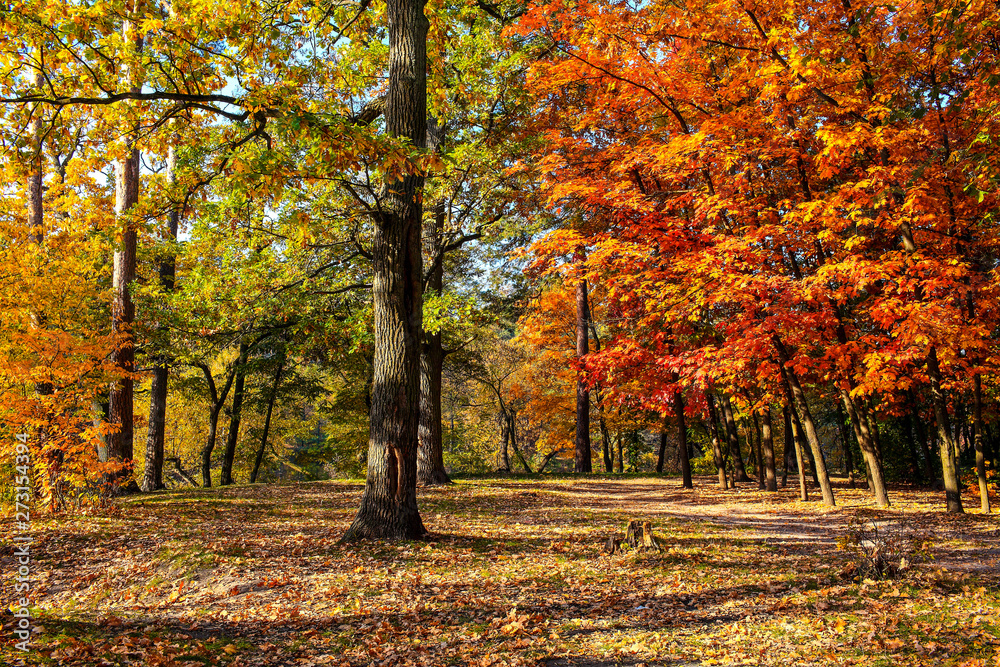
[388,507]
[430,438]
[582,450]
[120,440]
[152,477]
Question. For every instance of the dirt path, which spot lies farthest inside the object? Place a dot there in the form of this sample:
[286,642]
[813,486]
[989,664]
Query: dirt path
[967,543]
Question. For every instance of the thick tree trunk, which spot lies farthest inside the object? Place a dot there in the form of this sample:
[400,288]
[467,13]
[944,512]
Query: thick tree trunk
[949,466]
[152,478]
[767,445]
[232,438]
[977,421]
[582,450]
[389,503]
[682,441]
[430,451]
[733,436]
[267,422]
[720,460]
[120,441]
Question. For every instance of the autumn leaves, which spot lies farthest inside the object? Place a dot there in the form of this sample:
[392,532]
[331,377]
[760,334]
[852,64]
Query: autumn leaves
[783,203]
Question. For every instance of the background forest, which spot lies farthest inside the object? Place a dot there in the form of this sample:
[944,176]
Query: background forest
[721,237]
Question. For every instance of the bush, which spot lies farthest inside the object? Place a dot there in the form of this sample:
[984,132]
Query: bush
[882,548]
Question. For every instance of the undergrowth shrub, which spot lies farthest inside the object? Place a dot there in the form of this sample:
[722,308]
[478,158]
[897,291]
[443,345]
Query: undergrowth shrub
[881,547]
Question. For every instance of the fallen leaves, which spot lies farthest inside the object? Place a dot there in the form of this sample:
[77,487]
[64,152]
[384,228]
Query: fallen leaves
[499,583]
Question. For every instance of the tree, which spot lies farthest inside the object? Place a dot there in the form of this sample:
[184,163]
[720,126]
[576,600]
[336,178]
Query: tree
[389,503]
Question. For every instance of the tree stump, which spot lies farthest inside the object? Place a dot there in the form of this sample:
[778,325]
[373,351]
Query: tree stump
[611,546]
[639,535]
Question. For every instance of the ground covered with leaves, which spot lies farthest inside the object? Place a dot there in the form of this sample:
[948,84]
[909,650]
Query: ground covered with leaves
[513,573]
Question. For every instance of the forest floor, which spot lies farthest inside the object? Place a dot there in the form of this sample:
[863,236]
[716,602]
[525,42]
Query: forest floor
[513,573]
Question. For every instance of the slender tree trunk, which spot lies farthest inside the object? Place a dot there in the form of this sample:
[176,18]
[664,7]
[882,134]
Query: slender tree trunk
[805,448]
[582,453]
[512,416]
[602,423]
[120,441]
[34,182]
[733,437]
[621,453]
[949,466]
[788,446]
[922,440]
[218,400]
[232,438]
[152,478]
[605,439]
[872,417]
[767,445]
[977,417]
[819,465]
[758,456]
[35,205]
[662,449]
[267,422]
[868,453]
[845,440]
[720,460]
[388,507]
[504,465]
[206,452]
[914,470]
[799,455]
[682,441]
